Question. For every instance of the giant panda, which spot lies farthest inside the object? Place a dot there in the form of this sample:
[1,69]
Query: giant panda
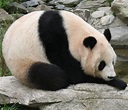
[51,50]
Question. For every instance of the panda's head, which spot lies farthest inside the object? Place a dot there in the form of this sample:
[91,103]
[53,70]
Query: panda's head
[99,58]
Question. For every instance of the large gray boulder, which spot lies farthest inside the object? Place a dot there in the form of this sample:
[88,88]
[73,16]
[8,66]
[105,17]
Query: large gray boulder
[119,36]
[77,97]
[120,8]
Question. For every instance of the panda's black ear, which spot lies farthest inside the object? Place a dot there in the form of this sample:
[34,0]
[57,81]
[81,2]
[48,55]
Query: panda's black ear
[89,42]
[107,34]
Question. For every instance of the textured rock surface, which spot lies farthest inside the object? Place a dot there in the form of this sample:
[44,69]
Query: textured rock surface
[83,13]
[4,16]
[119,36]
[78,97]
[69,2]
[107,10]
[98,14]
[91,4]
[108,19]
[120,8]
[16,7]
[32,3]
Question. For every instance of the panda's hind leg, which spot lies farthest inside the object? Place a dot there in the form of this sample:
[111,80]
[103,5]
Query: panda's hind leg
[47,77]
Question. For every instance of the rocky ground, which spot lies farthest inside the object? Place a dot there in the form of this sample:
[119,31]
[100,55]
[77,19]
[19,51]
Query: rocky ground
[77,97]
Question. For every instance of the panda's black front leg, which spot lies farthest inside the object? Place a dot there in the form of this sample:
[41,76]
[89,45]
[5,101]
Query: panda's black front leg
[117,83]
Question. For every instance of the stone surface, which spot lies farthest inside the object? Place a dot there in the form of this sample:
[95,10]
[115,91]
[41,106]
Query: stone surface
[60,7]
[120,8]
[83,13]
[98,14]
[77,97]
[69,2]
[43,7]
[117,23]
[17,8]
[106,20]
[91,4]
[107,10]
[53,2]
[119,36]
[4,16]
[38,8]
[32,3]
[95,23]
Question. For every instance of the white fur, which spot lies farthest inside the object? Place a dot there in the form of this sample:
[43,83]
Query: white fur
[21,45]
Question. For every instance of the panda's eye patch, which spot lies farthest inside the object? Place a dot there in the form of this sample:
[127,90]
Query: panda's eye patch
[101,65]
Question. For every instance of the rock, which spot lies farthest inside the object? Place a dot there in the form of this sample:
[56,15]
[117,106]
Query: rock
[83,13]
[117,23]
[69,2]
[95,23]
[31,9]
[38,8]
[44,7]
[77,97]
[98,14]
[106,20]
[119,36]
[32,3]
[53,2]
[45,0]
[107,10]
[60,7]
[120,8]
[122,58]
[16,16]
[4,16]
[17,8]
[91,4]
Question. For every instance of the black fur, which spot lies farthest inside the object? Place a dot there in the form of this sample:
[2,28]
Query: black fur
[107,34]
[47,76]
[89,42]
[65,69]
[101,65]
[54,38]
[117,83]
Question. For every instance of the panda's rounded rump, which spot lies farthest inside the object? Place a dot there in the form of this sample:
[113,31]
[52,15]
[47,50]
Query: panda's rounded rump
[47,77]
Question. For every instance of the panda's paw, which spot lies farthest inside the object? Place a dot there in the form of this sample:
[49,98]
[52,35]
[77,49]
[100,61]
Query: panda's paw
[118,83]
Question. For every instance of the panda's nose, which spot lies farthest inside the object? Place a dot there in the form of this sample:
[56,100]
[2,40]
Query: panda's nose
[111,77]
